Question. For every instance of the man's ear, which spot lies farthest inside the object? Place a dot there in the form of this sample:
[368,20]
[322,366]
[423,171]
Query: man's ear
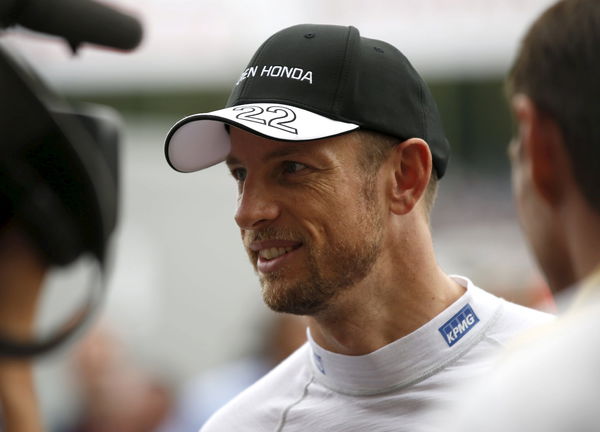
[542,148]
[410,170]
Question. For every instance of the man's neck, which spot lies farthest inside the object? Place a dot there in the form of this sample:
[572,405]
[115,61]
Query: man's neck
[382,309]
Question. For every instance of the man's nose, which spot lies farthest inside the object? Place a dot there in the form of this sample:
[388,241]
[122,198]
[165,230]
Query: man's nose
[257,205]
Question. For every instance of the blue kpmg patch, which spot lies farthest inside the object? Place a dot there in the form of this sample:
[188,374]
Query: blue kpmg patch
[459,325]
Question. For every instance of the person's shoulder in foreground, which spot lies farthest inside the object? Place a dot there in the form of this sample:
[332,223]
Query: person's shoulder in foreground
[549,382]
[397,388]
[546,381]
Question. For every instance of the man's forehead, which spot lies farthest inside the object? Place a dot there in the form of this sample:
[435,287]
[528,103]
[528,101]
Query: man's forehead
[265,151]
[244,145]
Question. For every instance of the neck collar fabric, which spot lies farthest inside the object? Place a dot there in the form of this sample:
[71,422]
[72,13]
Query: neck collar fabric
[415,356]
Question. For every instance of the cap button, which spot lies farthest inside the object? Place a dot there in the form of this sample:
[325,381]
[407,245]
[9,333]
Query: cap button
[309,35]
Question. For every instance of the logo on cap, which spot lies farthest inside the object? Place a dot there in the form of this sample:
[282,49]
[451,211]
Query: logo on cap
[277,71]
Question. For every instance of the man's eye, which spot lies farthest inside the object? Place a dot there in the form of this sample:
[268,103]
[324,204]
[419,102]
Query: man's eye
[290,167]
[239,174]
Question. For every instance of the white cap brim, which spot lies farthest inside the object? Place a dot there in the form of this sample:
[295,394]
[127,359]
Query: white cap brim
[201,140]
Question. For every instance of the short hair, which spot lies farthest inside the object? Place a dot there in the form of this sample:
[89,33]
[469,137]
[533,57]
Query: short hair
[376,148]
[558,67]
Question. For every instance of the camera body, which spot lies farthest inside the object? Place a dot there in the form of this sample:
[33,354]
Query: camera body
[58,167]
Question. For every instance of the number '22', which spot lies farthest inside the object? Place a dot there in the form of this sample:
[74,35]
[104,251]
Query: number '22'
[254,113]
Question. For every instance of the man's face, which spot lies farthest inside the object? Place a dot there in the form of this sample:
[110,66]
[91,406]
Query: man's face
[310,221]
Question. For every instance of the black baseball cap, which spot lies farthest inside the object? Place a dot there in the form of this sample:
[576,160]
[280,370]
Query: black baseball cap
[310,82]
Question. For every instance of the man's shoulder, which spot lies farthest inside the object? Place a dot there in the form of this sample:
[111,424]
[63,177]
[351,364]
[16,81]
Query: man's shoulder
[260,405]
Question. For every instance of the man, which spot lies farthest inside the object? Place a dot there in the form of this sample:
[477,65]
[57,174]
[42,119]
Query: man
[549,381]
[336,146]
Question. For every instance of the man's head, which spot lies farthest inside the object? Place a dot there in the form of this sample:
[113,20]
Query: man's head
[315,220]
[554,91]
[307,130]
[306,239]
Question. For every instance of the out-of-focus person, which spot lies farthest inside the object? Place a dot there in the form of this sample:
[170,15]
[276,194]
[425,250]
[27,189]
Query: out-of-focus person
[58,203]
[115,392]
[204,394]
[549,381]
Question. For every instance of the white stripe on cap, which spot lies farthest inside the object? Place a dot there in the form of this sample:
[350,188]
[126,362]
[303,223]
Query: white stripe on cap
[199,141]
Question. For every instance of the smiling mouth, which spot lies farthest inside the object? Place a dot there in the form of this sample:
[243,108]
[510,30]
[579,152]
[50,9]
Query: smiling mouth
[275,252]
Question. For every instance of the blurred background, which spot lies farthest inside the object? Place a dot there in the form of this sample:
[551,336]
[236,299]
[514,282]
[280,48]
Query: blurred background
[183,300]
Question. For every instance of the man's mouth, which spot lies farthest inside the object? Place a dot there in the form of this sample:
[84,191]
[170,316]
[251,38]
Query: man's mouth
[274,252]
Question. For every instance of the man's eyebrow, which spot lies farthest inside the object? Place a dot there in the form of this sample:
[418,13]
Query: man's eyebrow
[286,150]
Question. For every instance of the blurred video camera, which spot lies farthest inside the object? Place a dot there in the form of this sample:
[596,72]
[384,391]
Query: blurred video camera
[59,162]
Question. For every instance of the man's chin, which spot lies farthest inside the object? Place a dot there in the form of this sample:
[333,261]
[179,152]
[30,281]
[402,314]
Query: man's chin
[289,298]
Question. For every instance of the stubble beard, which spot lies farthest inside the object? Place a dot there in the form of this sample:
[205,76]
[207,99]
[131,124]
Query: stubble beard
[346,265]
[331,272]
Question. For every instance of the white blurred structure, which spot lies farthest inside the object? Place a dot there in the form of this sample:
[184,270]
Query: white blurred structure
[209,42]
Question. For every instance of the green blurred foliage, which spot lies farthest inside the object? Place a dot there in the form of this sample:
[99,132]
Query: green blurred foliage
[477,122]
[475,115]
